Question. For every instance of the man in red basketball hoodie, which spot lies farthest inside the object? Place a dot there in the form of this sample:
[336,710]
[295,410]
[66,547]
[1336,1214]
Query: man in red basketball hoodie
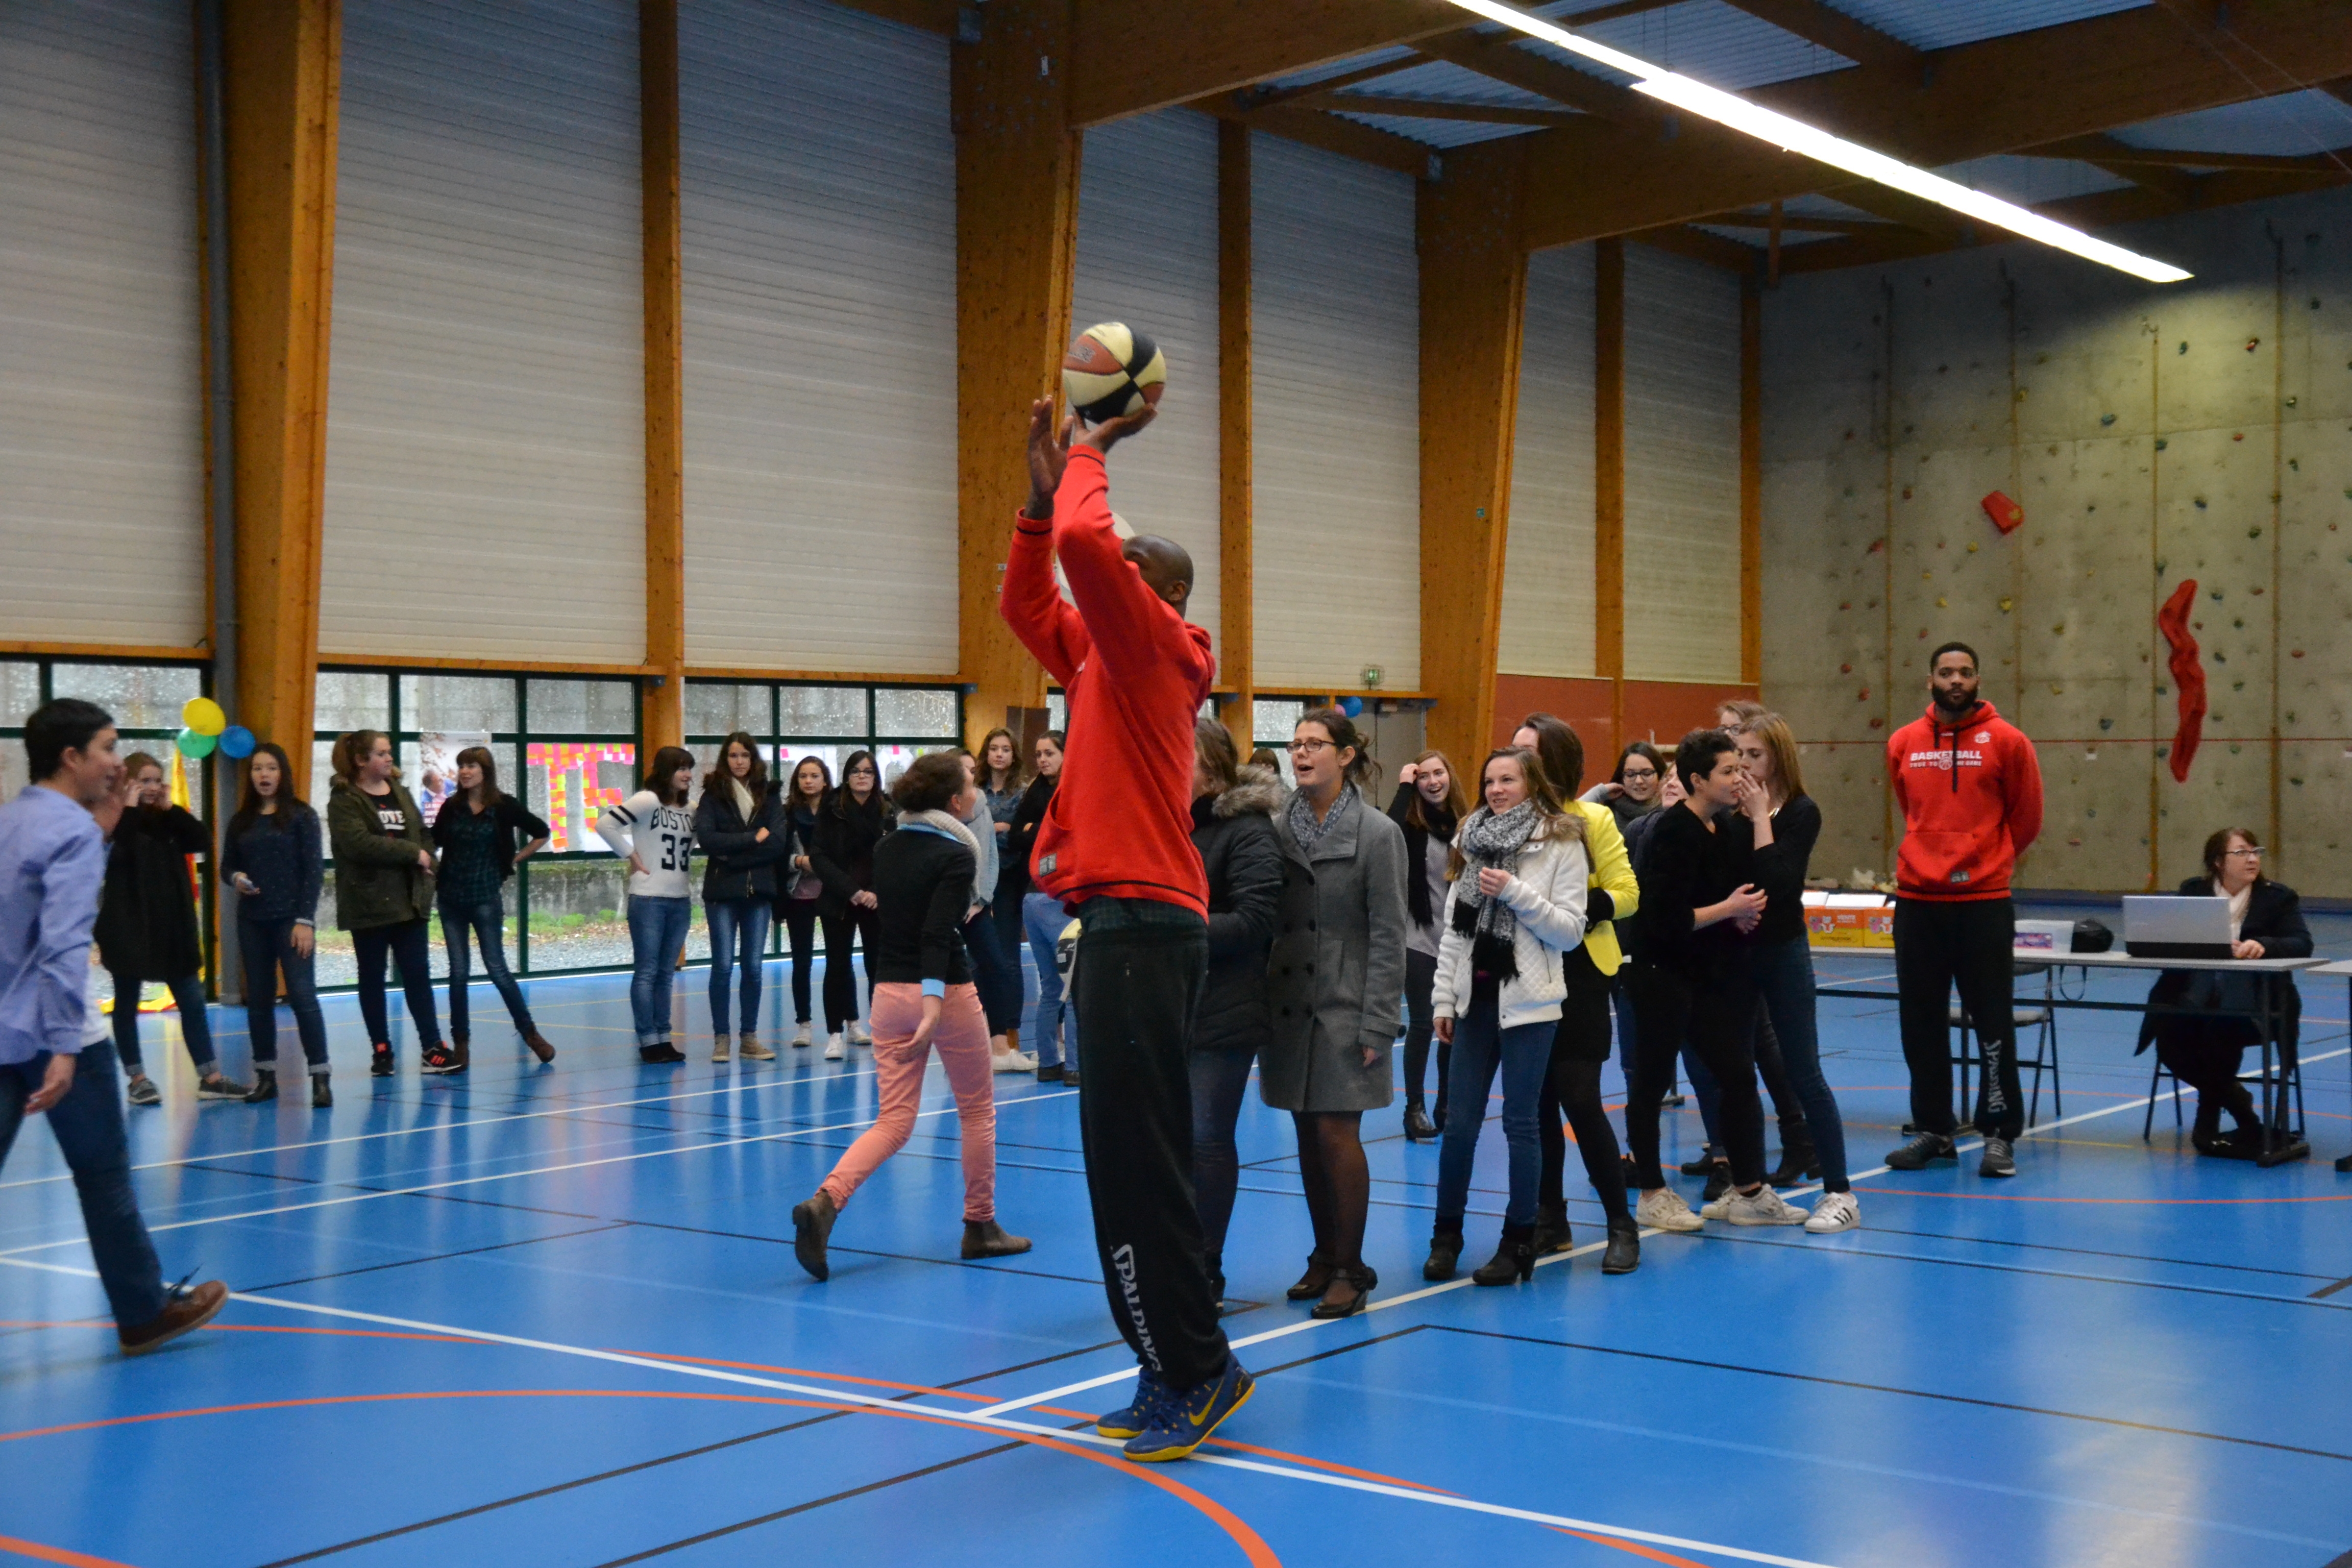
[1970,790]
[1116,847]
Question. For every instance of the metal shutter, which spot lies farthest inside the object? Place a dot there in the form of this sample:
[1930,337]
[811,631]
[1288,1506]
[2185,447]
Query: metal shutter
[1682,468]
[818,199]
[1335,323]
[486,401]
[1547,605]
[1148,256]
[101,394]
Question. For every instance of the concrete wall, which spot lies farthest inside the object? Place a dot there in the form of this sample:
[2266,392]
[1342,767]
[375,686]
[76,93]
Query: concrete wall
[2151,434]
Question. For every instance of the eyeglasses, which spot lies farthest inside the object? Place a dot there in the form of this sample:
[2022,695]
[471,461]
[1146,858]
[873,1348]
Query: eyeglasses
[1638,776]
[1308,748]
[2251,851]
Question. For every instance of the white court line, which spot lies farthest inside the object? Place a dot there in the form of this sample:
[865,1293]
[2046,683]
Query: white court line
[15,1252]
[454,1126]
[1305,1324]
[983,1421]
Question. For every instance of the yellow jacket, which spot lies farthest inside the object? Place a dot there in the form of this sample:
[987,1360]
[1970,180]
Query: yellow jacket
[1612,873]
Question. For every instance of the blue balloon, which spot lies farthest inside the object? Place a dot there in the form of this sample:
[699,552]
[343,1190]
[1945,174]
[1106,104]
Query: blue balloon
[237,743]
[1352,706]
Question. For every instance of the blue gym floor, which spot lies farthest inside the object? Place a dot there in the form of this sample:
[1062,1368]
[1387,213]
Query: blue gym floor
[551,1316]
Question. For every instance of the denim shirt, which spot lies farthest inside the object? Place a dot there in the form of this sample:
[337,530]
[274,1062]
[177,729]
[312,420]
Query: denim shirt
[52,864]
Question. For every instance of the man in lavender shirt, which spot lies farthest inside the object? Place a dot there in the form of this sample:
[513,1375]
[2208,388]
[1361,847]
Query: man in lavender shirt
[56,1055]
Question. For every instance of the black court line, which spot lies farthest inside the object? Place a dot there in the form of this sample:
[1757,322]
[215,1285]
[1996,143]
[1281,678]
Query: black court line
[1888,1388]
[2020,1268]
[2322,1294]
[433,1258]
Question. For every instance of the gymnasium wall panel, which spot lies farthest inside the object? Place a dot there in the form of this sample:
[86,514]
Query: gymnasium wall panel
[485,396]
[818,203]
[1148,256]
[1335,323]
[101,443]
[1548,603]
[1682,468]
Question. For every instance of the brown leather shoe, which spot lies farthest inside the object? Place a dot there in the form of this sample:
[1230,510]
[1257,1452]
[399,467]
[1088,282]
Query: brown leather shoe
[986,1238]
[812,1227]
[539,1046]
[181,1313]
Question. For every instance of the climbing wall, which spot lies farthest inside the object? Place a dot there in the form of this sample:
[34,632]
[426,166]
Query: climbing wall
[2150,434]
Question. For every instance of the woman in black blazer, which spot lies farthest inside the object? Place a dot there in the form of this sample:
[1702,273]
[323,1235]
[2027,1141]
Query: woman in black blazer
[740,824]
[2203,1047]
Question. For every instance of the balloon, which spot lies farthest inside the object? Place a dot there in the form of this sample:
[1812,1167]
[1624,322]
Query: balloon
[192,744]
[204,716]
[1352,706]
[237,743]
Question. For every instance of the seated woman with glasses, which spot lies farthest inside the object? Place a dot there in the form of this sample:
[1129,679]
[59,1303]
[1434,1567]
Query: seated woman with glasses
[2211,1016]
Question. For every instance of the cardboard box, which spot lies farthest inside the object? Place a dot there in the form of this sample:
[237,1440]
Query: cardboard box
[2043,937]
[1849,920]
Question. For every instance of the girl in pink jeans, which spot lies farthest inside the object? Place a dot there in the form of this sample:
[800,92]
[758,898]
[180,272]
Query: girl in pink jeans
[923,996]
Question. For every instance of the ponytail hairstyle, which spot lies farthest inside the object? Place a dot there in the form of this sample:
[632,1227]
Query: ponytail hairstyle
[352,751]
[666,762]
[1347,737]
[485,758]
[1553,819]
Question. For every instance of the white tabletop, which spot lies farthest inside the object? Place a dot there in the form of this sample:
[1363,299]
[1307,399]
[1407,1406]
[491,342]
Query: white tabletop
[2341,966]
[2128,961]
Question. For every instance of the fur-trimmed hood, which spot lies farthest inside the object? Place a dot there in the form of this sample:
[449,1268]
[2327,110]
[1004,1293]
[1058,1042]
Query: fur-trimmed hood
[1261,790]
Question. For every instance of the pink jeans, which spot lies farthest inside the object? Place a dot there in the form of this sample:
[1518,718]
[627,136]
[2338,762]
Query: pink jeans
[961,1039]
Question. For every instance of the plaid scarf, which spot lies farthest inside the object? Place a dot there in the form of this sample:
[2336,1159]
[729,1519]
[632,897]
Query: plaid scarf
[1489,842]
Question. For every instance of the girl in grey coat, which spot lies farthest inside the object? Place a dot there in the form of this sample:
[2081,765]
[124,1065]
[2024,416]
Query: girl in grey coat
[1336,980]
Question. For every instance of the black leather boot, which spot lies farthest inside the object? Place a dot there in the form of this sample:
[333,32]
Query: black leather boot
[1514,1260]
[1797,1161]
[1551,1229]
[1624,1254]
[1418,1127]
[1444,1251]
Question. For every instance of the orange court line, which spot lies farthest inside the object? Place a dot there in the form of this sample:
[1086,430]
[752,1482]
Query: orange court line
[41,1553]
[2025,1198]
[1635,1547]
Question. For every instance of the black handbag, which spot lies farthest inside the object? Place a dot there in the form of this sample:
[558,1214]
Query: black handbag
[2092,936]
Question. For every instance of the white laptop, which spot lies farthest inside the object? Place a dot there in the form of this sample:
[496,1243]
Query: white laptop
[2171,926]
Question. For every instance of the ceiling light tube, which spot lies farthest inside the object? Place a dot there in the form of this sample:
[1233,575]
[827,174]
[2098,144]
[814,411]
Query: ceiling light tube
[1795,136]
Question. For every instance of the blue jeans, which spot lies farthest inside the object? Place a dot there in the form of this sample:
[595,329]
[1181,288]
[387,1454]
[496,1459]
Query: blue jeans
[486,922]
[1220,1078]
[195,1028]
[88,1123]
[657,936]
[1784,978]
[737,926]
[1523,1055]
[268,950]
[1042,917]
[995,974]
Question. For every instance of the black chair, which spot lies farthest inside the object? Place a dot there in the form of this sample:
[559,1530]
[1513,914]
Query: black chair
[2282,1079]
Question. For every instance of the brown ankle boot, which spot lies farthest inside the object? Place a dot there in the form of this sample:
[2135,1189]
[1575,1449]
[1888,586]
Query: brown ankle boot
[986,1238]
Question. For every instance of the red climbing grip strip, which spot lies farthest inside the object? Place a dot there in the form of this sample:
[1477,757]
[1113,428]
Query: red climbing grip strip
[2187,677]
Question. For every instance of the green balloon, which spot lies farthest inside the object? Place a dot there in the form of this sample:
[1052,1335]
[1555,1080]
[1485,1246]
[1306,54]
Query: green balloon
[191,744]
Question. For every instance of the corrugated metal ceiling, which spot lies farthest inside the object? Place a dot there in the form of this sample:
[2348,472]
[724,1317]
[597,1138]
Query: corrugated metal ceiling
[2289,125]
[1942,24]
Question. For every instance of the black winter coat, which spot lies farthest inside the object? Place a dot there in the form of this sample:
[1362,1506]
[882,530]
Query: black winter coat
[741,864]
[1234,834]
[147,916]
[843,855]
[2275,919]
[1015,847]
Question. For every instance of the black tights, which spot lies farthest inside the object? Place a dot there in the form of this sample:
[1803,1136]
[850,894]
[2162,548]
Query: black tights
[1339,1183]
[1572,1084]
[1420,981]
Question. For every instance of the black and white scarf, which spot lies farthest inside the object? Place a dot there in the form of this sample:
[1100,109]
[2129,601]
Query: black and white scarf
[1304,826]
[1489,842]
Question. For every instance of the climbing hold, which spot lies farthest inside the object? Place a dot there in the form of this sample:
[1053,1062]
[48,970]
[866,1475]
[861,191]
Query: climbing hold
[2182,349]
[2106,723]
[1907,492]
[2006,514]
[2256,591]
[1876,723]
[2056,689]
[1972,547]
[2090,811]
[2290,402]
[1848,669]
[2254,344]
[2239,436]
[1925,575]
[2161,443]
[2256,531]
[2058,630]
[1862,695]
[2005,604]
[1942,602]
[2200,503]
[2294,653]
[2159,565]
[1922,633]
[1880,543]
[2107,418]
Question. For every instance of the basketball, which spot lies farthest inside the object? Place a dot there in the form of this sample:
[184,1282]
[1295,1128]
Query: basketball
[1111,370]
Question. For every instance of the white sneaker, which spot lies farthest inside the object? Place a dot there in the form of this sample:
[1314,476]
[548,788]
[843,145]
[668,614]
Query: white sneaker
[804,1036]
[1762,1206]
[1664,1210]
[834,1049]
[1013,1061]
[860,1035]
[1835,1212]
[719,1048]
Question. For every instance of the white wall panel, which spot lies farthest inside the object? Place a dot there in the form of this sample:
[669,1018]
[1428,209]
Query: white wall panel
[1548,615]
[485,405]
[818,197]
[1148,256]
[1682,468]
[1335,325]
[101,443]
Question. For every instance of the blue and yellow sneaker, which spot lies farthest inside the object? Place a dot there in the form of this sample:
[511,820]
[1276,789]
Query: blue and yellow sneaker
[1180,1423]
[1133,1421]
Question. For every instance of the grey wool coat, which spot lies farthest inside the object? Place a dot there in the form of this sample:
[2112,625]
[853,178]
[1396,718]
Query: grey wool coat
[1336,976]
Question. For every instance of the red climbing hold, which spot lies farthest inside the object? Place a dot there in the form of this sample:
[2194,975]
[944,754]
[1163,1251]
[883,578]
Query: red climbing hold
[2006,514]
[2187,677]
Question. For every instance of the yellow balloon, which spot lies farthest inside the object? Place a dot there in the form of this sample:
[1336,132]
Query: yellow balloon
[204,715]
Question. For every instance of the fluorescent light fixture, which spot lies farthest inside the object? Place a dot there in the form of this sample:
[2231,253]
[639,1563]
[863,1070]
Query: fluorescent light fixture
[1795,136]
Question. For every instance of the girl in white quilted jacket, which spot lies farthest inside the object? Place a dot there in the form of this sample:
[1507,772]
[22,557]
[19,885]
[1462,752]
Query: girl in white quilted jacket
[1518,871]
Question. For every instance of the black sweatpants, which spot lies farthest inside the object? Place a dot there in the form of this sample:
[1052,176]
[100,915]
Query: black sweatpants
[1716,1015]
[1937,946]
[1138,972]
[1579,1049]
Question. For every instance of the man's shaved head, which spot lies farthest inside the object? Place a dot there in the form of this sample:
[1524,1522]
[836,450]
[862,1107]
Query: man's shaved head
[1166,566]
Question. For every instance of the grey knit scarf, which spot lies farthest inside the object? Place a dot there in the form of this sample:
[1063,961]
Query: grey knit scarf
[1489,842]
[1306,829]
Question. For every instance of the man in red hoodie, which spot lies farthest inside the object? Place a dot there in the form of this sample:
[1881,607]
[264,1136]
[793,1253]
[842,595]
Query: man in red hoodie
[1116,847]
[1970,790]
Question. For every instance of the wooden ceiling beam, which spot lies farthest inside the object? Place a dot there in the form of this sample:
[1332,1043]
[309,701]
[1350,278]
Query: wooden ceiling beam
[1347,138]
[1436,108]
[1128,57]
[1699,246]
[1832,29]
[2104,150]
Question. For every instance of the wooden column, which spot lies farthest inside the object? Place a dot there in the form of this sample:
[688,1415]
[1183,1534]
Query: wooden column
[280,62]
[663,712]
[1236,574]
[1474,274]
[1016,238]
[1752,484]
[1609,477]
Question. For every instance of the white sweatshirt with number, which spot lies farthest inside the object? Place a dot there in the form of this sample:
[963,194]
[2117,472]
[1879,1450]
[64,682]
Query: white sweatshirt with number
[659,836]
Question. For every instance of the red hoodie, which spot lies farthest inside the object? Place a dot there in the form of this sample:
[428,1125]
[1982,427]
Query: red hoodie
[1971,792]
[1134,672]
